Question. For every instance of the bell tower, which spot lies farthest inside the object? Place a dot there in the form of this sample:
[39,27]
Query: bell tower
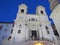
[40,10]
[22,9]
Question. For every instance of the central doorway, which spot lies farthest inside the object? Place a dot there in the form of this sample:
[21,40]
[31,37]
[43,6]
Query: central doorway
[34,35]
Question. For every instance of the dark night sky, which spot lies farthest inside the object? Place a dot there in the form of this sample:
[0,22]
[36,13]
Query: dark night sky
[9,8]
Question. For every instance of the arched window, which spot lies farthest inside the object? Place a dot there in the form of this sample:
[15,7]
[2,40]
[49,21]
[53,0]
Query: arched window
[9,37]
[41,12]
[22,10]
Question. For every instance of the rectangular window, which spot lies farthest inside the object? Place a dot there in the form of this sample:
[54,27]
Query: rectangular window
[13,25]
[11,31]
[0,27]
[5,29]
[47,29]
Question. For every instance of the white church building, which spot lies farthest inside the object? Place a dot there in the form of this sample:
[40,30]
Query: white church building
[32,26]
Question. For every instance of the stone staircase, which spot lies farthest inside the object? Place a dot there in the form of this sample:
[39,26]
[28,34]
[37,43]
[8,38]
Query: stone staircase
[27,43]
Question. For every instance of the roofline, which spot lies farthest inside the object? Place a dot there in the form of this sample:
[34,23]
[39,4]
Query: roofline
[6,22]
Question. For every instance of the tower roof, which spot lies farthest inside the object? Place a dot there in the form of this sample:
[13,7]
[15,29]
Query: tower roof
[23,5]
[38,7]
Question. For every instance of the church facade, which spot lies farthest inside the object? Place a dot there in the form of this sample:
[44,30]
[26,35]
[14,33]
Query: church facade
[32,26]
